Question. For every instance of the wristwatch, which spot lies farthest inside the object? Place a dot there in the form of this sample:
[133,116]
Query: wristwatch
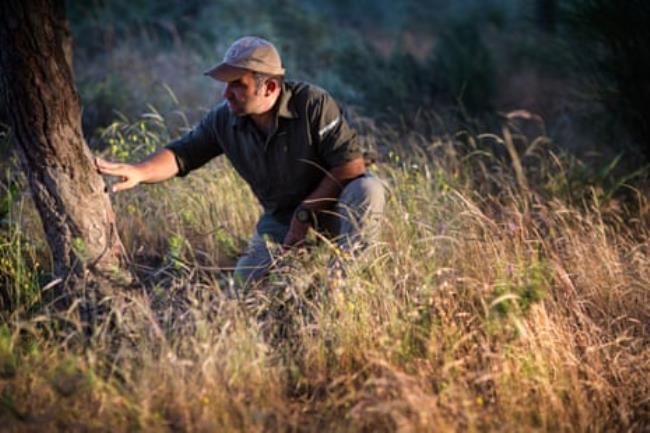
[304,215]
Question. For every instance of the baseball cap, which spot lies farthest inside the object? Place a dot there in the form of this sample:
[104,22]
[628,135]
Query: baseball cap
[249,53]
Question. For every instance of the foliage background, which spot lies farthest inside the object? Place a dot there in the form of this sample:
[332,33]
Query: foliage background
[569,62]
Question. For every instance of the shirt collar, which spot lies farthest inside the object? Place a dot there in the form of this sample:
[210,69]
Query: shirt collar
[285,104]
[285,108]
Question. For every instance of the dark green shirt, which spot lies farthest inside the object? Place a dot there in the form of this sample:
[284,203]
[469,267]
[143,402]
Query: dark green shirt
[309,138]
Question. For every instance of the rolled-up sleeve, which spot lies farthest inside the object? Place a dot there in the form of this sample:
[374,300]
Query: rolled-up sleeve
[197,146]
[337,142]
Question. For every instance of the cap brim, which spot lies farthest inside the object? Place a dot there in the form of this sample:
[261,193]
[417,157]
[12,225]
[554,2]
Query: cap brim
[225,72]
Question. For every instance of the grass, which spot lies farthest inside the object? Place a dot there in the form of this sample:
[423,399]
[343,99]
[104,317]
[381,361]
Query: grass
[502,296]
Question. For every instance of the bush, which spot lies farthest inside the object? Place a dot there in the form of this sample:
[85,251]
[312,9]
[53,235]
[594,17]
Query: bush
[464,69]
[609,46]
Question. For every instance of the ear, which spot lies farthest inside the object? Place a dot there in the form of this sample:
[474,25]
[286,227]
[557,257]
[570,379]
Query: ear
[271,86]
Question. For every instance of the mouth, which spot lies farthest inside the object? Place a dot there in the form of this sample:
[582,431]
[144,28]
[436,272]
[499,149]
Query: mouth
[233,106]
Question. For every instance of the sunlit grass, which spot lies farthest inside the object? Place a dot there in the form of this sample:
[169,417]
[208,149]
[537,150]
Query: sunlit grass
[498,298]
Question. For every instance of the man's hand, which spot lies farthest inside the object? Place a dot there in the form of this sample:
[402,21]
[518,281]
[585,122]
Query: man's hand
[156,167]
[130,175]
[296,234]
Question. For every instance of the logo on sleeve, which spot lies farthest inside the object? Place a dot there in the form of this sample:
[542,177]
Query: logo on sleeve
[327,128]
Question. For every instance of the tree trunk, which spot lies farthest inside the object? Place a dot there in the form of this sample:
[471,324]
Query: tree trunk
[37,87]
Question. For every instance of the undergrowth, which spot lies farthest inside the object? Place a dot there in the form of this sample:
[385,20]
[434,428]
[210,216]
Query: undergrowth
[506,293]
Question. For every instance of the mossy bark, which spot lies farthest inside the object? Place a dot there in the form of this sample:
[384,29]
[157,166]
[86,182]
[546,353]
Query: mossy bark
[38,90]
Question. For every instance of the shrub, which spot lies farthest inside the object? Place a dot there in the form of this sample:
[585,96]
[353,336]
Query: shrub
[463,68]
[610,49]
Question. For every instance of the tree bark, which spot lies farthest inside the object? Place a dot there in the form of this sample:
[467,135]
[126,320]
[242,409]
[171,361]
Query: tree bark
[37,87]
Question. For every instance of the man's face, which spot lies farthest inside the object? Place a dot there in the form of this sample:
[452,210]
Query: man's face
[244,98]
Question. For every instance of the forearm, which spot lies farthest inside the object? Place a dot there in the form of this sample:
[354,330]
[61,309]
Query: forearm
[329,189]
[324,196]
[158,166]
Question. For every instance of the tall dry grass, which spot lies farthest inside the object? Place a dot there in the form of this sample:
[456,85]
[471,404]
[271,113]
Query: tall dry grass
[502,296]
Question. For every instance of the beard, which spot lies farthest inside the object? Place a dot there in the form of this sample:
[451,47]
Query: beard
[236,108]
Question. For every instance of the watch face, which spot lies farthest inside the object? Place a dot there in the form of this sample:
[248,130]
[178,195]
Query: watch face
[303,216]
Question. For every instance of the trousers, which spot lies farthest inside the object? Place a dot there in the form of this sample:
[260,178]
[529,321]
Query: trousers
[353,224]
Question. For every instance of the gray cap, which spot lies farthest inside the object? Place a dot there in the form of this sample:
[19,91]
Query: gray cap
[249,53]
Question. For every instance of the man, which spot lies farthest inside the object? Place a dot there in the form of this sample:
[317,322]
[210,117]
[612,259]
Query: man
[290,142]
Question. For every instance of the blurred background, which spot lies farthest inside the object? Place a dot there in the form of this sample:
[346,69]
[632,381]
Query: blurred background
[580,65]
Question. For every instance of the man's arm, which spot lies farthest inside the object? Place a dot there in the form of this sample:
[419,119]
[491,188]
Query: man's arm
[157,167]
[178,158]
[327,192]
[329,189]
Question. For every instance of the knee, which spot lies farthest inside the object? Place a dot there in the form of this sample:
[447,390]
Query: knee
[368,190]
[255,263]
[249,272]
[244,277]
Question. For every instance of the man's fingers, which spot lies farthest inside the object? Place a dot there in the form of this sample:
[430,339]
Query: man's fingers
[126,172]
[99,162]
[111,171]
[292,242]
[127,184]
[116,170]
[107,167]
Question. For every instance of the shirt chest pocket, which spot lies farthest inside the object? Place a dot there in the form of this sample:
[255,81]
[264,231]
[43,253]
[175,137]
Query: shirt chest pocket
[280,155]
[280,159]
